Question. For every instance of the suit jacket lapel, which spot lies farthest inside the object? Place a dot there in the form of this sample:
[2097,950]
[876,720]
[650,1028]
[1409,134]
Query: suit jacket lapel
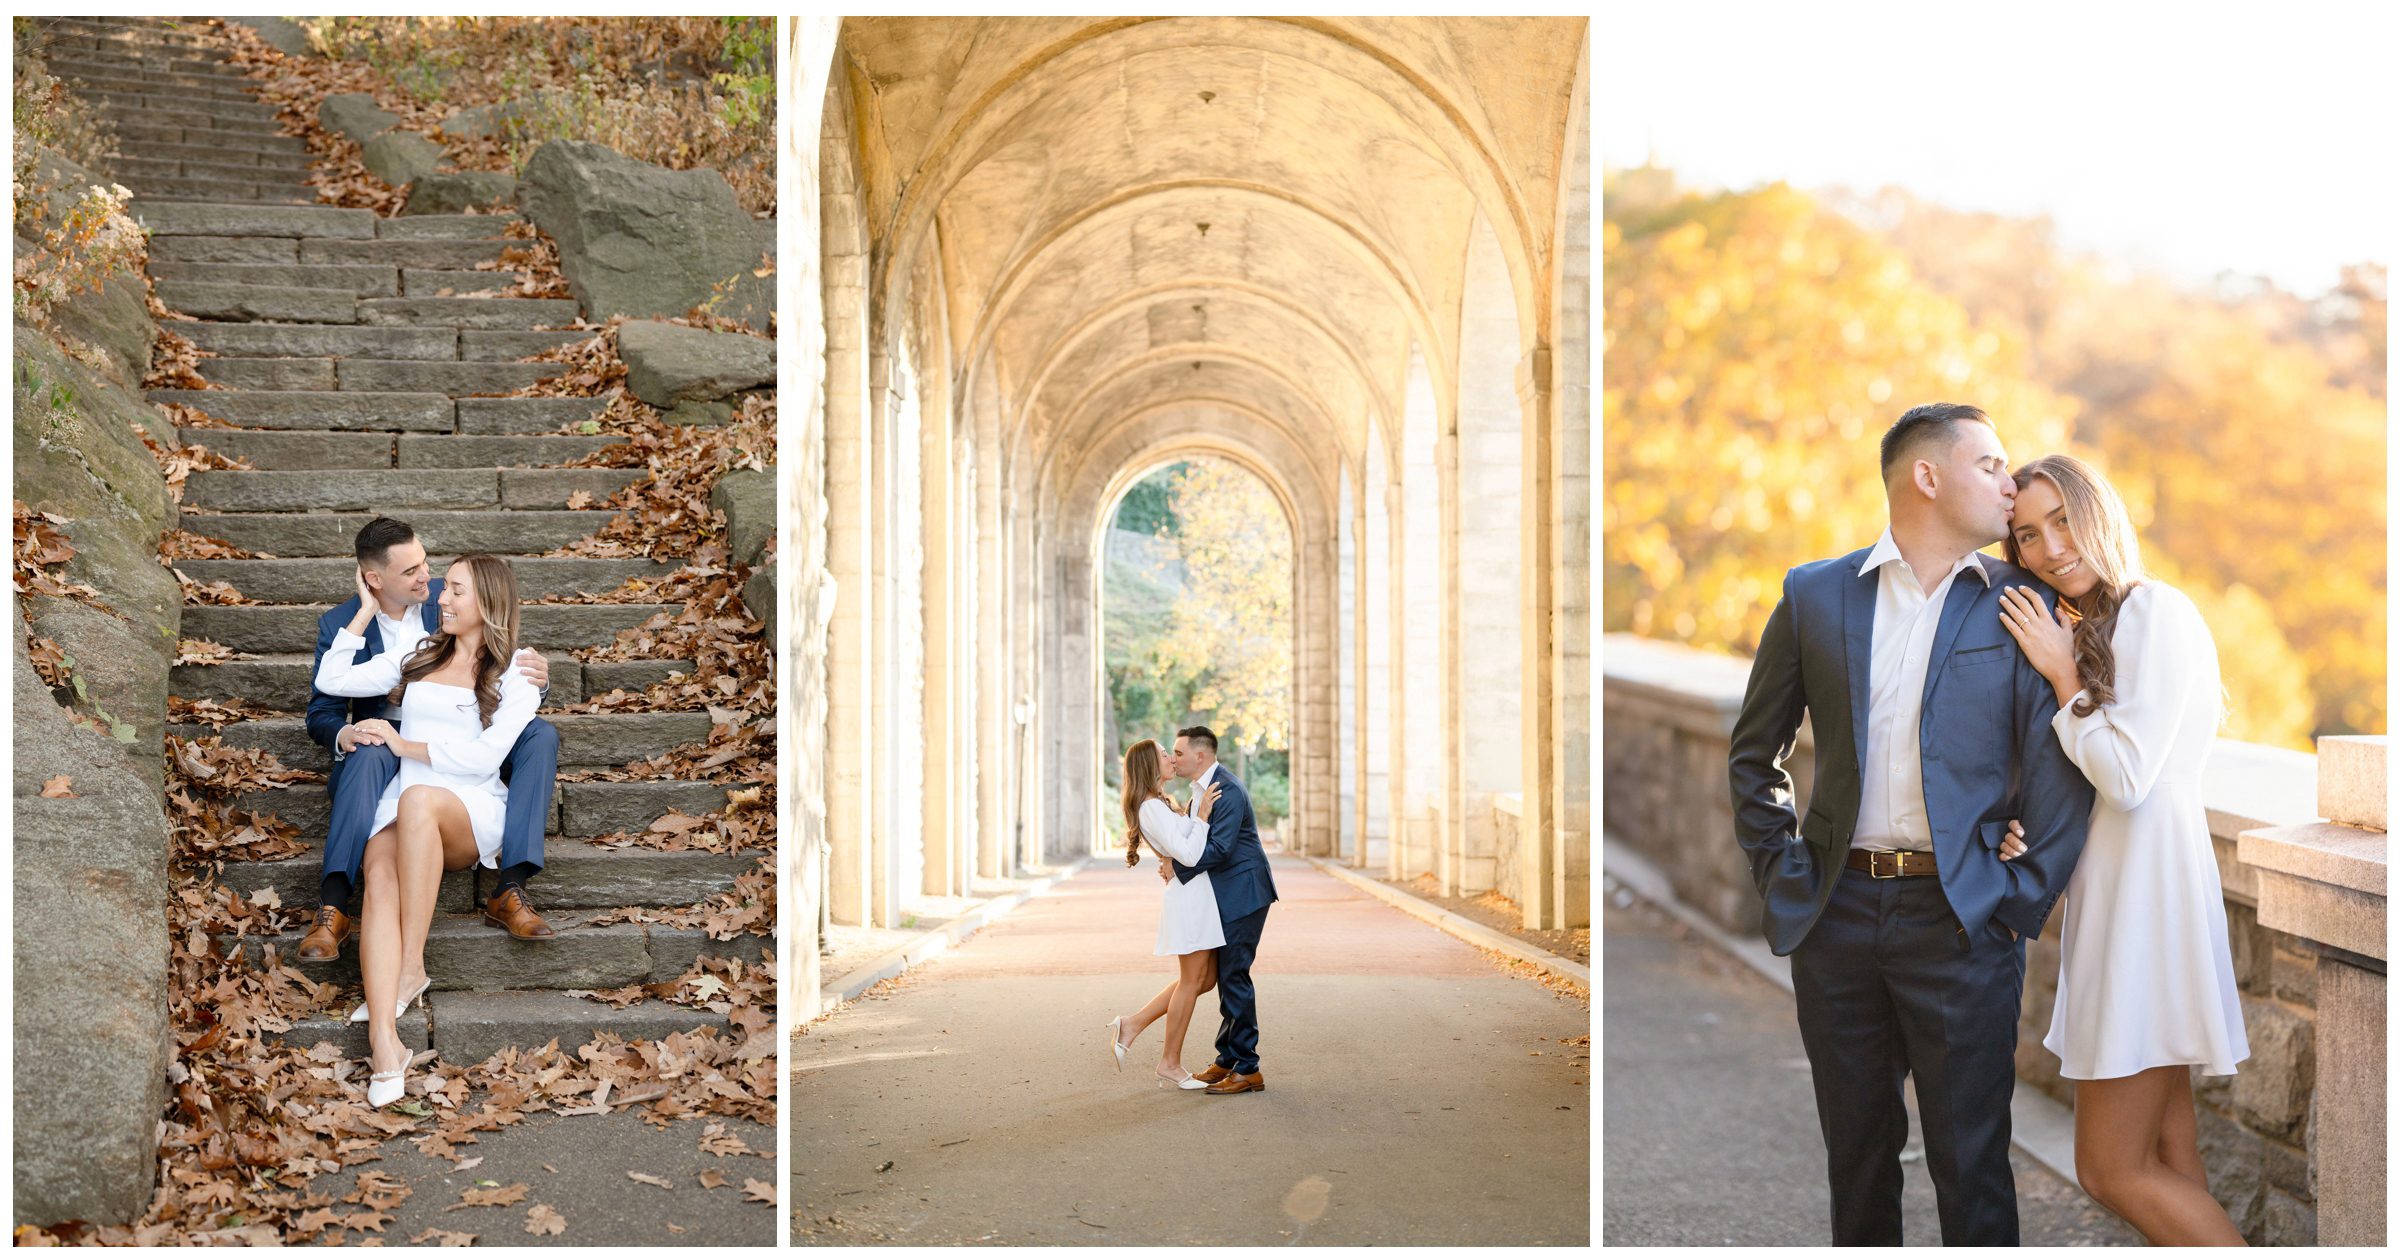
[1858,647]
[1963,590]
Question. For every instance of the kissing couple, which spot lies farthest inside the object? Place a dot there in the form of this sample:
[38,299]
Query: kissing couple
[1992,735]
[439,764]
[1218,889]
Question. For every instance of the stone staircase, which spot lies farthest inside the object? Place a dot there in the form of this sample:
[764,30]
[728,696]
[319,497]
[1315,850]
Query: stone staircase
[356,375]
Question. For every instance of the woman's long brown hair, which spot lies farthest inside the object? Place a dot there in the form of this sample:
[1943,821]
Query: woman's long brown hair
[1143,777]
[2104,537]
[496,600]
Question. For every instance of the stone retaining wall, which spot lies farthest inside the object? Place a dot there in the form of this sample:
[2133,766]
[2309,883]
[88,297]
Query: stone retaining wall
[1667,715]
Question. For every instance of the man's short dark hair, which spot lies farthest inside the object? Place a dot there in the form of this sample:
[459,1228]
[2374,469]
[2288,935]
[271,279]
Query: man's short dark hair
[1199,735]
[375,542]
[1923,424]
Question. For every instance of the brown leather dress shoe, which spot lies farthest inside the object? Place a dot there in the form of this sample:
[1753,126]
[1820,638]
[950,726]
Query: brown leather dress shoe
[324,941]
[1235,1083]
[508,910]
[1212,1074]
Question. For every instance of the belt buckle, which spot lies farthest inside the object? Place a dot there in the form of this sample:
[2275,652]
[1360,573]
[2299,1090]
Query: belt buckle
[1873,863]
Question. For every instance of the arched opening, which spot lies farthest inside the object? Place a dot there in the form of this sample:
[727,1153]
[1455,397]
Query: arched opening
[1196,597]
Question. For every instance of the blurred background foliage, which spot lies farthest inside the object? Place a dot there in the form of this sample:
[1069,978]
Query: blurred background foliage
[1197,622]
[1758,343]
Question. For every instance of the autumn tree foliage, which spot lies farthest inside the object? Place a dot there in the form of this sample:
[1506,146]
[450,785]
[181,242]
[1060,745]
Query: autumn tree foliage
[1758,343]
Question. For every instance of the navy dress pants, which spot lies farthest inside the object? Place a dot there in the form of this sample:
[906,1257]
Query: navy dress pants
[531,772]
[1237,999]
[1888,985]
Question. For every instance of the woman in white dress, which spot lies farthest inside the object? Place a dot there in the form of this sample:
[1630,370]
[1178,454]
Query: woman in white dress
[2146,984]
[462,708]
[1188,925]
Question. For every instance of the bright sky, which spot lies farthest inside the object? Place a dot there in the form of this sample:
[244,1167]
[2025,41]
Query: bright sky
[2258,139]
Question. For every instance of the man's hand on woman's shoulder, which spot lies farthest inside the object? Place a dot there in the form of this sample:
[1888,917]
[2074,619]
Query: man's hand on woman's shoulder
[535,667]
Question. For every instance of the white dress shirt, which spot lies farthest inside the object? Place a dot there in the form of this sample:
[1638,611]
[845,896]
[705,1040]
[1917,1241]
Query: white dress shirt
[1891,797]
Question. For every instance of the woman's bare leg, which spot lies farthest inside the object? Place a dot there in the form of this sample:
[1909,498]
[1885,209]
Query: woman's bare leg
[1199,968]
[2118,1127]
[1148,1015]
[379,949]
[2179,1133]
[435,835]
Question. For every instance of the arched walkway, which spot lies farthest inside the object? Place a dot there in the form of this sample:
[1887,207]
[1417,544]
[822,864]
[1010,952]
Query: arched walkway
[1351,255]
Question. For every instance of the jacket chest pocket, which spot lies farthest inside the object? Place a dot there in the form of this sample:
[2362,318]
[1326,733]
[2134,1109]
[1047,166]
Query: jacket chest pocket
[1979,660]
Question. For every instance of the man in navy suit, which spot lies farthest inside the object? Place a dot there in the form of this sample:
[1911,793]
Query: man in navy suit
[393,564]
[1237,870]
[1905,929]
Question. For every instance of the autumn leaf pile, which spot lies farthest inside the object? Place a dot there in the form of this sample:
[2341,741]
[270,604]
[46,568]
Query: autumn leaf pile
[175,363]
[750,908]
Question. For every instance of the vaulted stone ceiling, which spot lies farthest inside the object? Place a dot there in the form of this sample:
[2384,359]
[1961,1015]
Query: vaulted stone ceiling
[1262,214]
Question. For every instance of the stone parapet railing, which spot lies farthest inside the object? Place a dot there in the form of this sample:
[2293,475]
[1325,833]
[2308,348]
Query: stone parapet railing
[2304,913]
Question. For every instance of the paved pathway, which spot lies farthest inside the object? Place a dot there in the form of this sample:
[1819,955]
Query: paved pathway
[1711,1134]
[1416,1093]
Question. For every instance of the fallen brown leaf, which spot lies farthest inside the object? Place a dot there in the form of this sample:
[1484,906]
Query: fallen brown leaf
[648,1180]
[59,787]
[544,1219]
[756,1191]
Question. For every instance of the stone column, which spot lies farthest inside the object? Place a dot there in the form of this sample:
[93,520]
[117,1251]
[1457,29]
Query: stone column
[1376,590]
[850,801]
[1419,559]
[1570,775]
[1350,771]
[995,742]
[1499,503]
[2325,882]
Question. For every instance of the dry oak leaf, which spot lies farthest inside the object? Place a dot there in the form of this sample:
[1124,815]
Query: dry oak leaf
[544,1219]
[446,1238]
[59,787]
[711,1178]
[648,1180]
[503,1196]
[756,1191]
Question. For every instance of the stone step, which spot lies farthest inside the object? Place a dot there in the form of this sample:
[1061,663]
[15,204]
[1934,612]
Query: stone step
[477,1026]
[223,113]
[191,120]
[136,50]
[587,876]
[456,379]
[443,533]
[315,409]
[463,954]
[445,227]
[402,253]
[281,680]
[247,302]
[124,82]
[292,628]
[122,30]
[273,451]
[403,489]
[155,191]
[419,282]
[318,579]
[265,340]
[275,163]
[524,415]
[455,312]
[184,218]
[177,134]
[585,739]
[357,280]
[129,169]
[484,346]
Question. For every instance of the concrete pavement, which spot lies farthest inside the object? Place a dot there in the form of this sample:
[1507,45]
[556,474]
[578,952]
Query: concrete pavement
[1416,1093]
[1711,1134]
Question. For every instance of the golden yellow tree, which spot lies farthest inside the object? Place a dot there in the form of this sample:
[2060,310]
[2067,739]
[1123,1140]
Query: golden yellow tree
[1232,625]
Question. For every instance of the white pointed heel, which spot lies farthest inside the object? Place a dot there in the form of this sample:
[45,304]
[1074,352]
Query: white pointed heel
[1116,1042]
[359,1016]
[1185,1081]
[385,1088]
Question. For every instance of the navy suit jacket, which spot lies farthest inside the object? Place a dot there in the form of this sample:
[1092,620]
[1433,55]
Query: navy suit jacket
[1235,861]
[327,715]
[1984,740]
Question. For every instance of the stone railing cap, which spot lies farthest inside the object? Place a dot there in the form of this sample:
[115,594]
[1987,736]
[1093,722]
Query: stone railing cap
[2328,853]
[1673,667]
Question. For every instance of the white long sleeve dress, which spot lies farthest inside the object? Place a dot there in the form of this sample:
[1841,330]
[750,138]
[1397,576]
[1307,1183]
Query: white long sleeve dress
[2146,975]
[1188,919]
[466,754]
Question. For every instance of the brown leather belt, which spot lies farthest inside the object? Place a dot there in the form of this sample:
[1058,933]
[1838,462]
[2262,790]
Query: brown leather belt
[1891,865]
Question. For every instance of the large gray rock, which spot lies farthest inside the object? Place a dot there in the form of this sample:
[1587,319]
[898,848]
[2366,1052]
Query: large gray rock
[400,158]
[355,115]
[747,498]
[500,118]
[282,34]
[92,1038]
[666,364]
[77,456]
[641,240]
[116,317]
[451,194]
